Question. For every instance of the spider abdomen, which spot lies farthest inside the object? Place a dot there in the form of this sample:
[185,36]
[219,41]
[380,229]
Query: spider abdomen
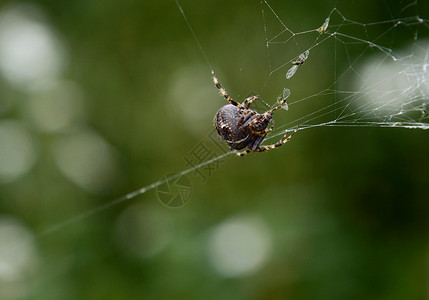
[234,125]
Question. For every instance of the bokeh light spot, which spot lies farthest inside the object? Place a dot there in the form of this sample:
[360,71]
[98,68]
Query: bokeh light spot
[17,251]
[194,96]
[56,106]
[391,87]
[239,246]
[87,160]
[29,50]
[17,151]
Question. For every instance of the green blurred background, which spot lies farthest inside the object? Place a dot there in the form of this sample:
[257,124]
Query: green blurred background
[120,94]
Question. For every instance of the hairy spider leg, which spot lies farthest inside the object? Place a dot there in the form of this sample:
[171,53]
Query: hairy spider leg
[274,109]
[271,128]
[264,115]
[246,103]
[223,91]
[247,114]
[280,143]
[265,131]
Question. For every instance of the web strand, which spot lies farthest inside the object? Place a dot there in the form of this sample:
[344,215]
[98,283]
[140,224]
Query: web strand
[390,87]
[348,107]
[129,196]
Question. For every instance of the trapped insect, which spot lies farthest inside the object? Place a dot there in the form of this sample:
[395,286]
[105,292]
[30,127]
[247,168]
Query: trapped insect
[282,99]
[241,127]
[322,29]
[295,64]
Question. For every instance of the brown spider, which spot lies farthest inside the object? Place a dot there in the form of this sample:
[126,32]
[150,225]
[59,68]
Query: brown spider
[241,127]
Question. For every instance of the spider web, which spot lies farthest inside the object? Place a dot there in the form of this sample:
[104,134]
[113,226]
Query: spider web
[380,70]
[378,77]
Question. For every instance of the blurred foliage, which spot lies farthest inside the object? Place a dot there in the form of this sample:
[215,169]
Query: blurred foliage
[347,207]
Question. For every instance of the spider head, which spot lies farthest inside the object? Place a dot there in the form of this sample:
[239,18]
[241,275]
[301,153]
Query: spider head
[261,122]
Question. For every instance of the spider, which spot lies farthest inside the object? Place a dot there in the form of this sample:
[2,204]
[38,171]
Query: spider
[241,127]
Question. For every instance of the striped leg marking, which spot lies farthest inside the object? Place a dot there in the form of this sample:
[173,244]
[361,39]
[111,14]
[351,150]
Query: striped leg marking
[246,103]
[280,143]
[222,90]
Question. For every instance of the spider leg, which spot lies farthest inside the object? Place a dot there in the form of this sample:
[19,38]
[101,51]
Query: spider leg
[243,153]
[263,132]
[271,128]
[283,141]
[246,115]
[223,91]
[273,109]
[246,103]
